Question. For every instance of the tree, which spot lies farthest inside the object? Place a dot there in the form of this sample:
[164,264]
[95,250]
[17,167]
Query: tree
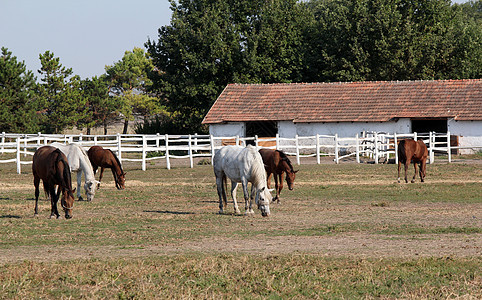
[104,108]
[391,40]
[212,43]
[129,82]
[17,95]
[60,95]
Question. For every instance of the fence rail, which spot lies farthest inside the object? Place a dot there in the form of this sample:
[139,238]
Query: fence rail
[374,145]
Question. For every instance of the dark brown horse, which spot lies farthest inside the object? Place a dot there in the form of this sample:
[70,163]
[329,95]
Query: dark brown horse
[412,151]
[276,162]
[105,158]
[51,165]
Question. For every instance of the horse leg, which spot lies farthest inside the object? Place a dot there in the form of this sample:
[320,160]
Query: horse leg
[101,174]
[248,209]
[53,201]
[280,187]
[399,167]
[415,174]
[79,183]
[407,163]
[36,182]
[423,169]
[276,186]
[268,180]
[234,186]
[221,192]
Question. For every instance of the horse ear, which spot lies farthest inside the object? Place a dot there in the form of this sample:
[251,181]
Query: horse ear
[270,190]
[295,171]
[97,182]
[73,191]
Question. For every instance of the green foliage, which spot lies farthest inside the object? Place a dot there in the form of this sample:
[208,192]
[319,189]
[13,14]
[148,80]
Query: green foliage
[103,108]
[129,82]
[212,43]
[17,96]
[60,96]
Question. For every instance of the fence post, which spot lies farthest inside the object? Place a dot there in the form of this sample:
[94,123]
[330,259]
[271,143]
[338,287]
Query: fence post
[256,143]
[395,140]
[376,147]
[431,145]
[157,139]
[19,168]
[297,150]
[357,142]
[190,152]
[318,149]
[119,151]
[3,140]
[168,163]
[144,146]
[336,148]
[236,140]
[25,145]
[211,138]
[449,151]
[95,139]
[195,142]
[415,136]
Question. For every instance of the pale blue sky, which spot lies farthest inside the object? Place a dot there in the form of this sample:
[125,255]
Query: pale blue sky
[85,34]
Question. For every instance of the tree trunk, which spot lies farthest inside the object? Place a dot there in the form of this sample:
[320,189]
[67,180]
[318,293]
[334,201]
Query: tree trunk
[126,124]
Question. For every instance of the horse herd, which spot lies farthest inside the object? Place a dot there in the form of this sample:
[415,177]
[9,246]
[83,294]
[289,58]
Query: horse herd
[53,165]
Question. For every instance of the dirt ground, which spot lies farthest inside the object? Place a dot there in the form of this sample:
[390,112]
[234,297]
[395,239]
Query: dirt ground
[350,244]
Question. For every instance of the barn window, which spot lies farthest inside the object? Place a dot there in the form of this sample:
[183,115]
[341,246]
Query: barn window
[427,125]
[261,129]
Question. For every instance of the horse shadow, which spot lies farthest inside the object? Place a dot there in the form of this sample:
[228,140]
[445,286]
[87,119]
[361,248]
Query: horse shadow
[169,212]
[10,217]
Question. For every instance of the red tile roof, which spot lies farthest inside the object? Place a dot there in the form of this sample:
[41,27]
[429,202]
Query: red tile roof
[349,102]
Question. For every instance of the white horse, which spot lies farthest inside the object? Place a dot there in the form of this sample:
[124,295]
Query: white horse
[241,165]
[79,162]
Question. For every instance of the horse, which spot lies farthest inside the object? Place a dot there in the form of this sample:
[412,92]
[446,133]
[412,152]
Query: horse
[241,165]
[277,162]
[412,151]
[79,162]
[51,165]
[105,158]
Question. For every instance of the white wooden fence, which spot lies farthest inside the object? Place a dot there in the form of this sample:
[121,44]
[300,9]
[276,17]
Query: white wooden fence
[375,146]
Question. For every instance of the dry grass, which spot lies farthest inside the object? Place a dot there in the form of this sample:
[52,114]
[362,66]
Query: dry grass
[346,231]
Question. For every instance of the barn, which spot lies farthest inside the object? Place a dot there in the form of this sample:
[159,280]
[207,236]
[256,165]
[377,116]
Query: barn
[348,108]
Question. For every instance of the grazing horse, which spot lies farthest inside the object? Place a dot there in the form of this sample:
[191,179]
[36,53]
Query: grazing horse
[276,162]
[105,158]
[79,162]
[50,165]
[412,151]
[241,165]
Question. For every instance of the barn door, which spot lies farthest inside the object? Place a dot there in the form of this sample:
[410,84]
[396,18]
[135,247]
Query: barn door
[261,129]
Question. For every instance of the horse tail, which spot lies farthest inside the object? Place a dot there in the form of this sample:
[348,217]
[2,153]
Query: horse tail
[65,179]
[402,155]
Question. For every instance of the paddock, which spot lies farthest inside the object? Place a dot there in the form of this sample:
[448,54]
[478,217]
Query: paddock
[338,212]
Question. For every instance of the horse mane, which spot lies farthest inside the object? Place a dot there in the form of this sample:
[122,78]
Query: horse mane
[258,173]
[285,158]
[117,160]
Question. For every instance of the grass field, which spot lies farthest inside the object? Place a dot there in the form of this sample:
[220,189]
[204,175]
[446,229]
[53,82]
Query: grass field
[346,231]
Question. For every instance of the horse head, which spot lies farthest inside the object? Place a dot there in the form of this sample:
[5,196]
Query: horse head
[290,173]
[90,187]
[67,202]
[120,181]
[263,198]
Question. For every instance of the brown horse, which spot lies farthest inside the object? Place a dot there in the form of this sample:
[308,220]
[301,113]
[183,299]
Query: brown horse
[51,165]
[412,151]
[276,162]
[105,158]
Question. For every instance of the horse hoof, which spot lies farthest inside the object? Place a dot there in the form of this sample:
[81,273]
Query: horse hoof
[413,181]
[81,199]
